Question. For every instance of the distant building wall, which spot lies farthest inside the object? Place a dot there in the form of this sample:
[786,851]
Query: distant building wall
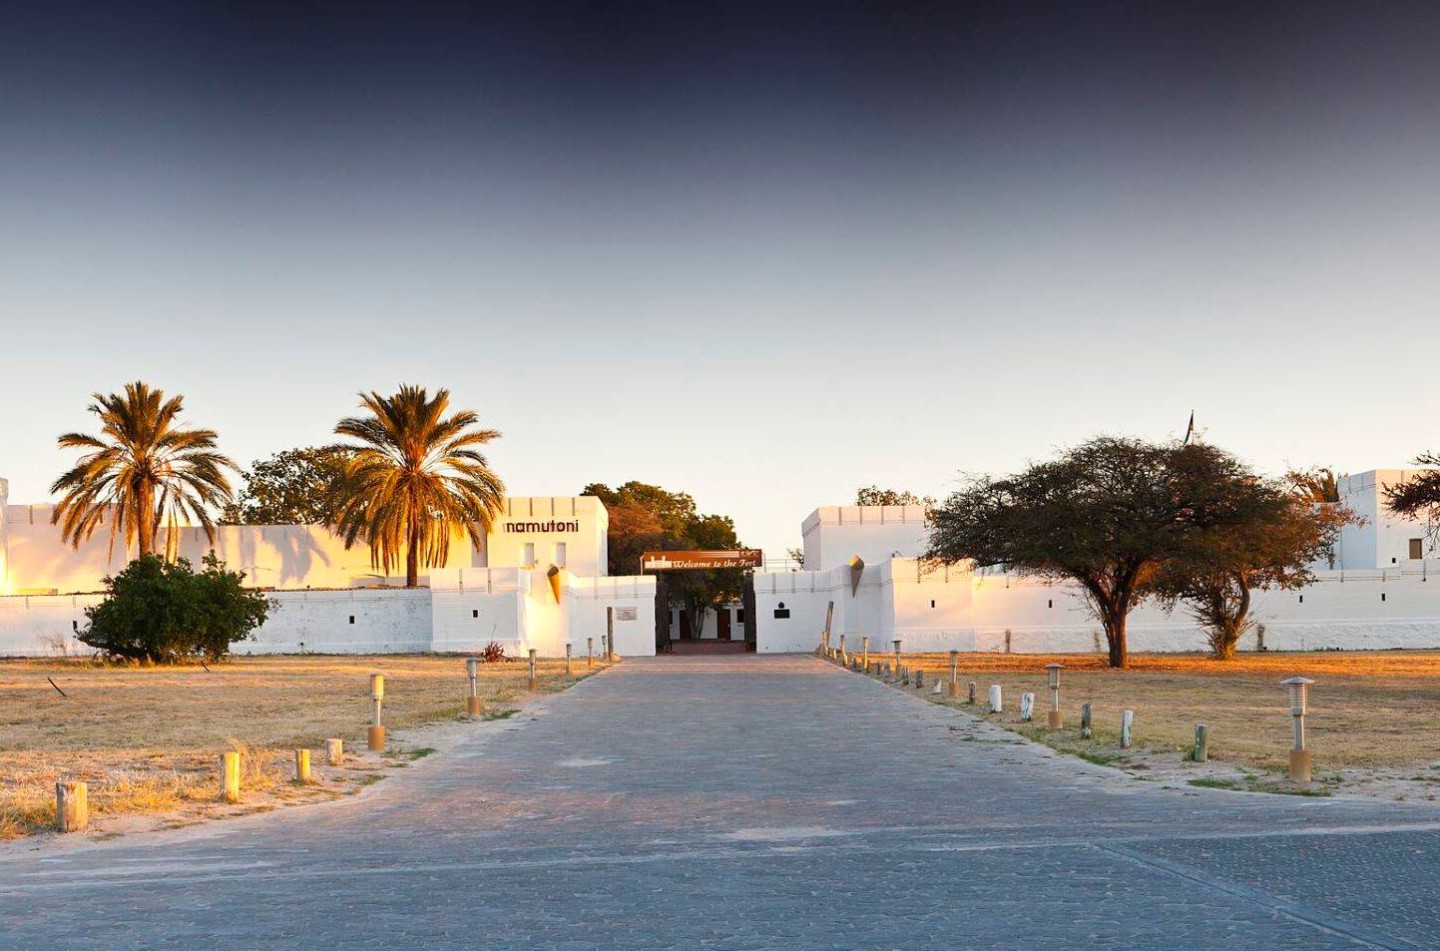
[547,529]
[955,609]
[833,534]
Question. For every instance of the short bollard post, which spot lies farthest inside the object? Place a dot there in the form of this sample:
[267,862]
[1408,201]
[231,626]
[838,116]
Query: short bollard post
[589,652]
[1299,688]
[1027,706]
[897,654]
[919,678]
[954,690]
[534,681]
[1085,731]
[1200,749]
[472,698]
[230,776]
[970,695]
[567,660]
[904,676]
[865,651]
[334,752]
[1127,720]
[1054,720]
[375,737]
[302,766]
[997,699]
[844,657]
[72,807]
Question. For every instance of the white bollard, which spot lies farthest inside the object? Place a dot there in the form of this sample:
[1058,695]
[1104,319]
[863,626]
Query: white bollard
[996,699]
[1127,719]
[1027,706]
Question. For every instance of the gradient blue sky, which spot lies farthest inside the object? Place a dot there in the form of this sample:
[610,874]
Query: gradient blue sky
[764,253]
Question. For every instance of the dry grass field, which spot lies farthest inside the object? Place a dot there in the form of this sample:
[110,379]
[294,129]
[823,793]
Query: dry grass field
[1372,714]
[147,739]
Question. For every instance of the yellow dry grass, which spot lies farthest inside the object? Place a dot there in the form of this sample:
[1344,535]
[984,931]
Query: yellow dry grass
[1368,710]
[148,739]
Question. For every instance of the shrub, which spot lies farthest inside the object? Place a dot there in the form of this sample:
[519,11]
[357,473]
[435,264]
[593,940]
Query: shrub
[157,610]
[493,653]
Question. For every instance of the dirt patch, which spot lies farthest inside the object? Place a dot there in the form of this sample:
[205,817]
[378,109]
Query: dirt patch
[148,740]
[1374,722]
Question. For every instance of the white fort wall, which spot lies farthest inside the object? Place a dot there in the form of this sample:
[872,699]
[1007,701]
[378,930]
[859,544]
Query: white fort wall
[538,531]
[953,609]
[511,606]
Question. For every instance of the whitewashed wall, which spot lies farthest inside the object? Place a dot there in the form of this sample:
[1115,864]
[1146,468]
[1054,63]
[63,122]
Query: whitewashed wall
[832,534]
[956,610]
[469,608]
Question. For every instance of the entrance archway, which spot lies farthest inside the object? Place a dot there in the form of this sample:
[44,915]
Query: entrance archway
[674,631]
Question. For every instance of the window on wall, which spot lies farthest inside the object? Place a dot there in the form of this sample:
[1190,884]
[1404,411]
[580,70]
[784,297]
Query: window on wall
[560,554]
[527,555]
[1417,548]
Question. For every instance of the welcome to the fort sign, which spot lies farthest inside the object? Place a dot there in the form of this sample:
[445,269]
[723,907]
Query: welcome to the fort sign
[701,560]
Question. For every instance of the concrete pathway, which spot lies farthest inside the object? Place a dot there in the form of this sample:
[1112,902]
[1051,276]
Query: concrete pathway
[747,803]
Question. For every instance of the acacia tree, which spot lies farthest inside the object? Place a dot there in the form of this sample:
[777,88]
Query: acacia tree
[414,478]
[145,468]
[1418,497]
[293,487]
[1106,514]
[1269,537]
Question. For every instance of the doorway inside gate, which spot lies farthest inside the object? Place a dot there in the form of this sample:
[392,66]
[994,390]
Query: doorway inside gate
[725,626]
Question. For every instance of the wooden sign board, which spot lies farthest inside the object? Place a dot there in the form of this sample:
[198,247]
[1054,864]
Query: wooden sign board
[701,560]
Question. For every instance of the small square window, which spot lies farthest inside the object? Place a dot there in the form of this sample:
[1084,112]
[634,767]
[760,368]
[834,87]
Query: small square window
[475,613]
[1417,549]
[352,619]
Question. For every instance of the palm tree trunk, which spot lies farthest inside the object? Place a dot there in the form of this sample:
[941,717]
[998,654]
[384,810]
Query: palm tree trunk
[145,521]
[412,556]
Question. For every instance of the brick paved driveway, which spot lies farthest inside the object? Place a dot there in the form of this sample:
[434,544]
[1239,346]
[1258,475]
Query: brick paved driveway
[746,803]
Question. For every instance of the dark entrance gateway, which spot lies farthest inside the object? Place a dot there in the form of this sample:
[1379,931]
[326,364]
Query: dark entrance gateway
[677,637]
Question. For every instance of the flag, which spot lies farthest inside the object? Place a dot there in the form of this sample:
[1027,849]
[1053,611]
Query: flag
[1190,430]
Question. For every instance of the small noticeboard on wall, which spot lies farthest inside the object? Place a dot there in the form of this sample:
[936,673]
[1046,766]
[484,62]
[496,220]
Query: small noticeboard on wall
[625,614]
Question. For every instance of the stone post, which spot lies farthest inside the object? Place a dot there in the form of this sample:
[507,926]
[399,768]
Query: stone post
[230,776]
[534,680]
[473,708]
[1085,731]
[376,735]
[954,675]
[1027,707]
[997,699]
[1127,720]
[1200,749]
[72,807]
[302,766]
[334,751]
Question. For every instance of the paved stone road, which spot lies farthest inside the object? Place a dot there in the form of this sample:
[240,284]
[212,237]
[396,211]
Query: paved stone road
[748,803]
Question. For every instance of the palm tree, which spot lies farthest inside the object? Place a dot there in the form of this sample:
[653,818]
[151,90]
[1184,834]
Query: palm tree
[1319,485]
[145,468]
[415,478]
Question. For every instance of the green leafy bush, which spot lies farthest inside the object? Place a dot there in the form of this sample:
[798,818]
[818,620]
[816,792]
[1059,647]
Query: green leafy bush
[162,611]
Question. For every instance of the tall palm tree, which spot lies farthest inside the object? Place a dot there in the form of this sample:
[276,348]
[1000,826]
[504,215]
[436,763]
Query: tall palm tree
[144,467]
[414,479]
[1319,485]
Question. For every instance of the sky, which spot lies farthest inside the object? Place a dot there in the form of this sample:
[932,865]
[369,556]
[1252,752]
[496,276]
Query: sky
[763,253]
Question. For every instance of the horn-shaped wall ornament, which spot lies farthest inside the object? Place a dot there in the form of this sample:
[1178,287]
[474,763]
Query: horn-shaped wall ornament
[857,568]
[554,575]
